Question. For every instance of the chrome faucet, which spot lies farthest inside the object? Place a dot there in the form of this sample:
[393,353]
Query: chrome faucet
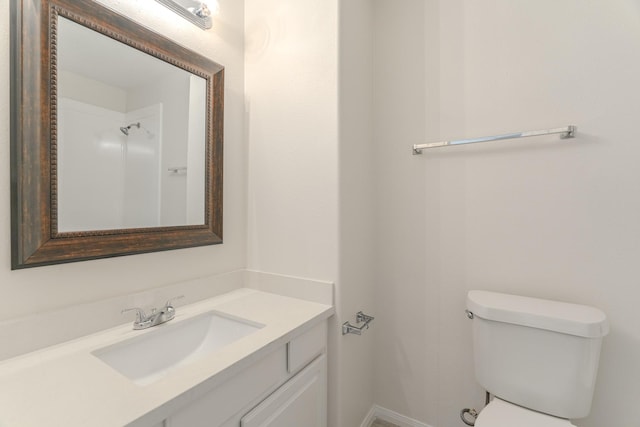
[157,316]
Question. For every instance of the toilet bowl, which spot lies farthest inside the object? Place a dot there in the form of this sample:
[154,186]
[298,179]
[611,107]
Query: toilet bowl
[500,413]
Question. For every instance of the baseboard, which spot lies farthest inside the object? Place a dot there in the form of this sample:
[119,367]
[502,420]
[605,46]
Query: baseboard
[369,418]
[390,416]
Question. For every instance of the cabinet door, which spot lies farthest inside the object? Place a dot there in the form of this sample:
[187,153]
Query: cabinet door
[302,401]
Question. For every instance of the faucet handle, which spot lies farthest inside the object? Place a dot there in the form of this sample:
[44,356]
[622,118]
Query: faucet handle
[170,300]
[142,321]
[140,314]
[169,311]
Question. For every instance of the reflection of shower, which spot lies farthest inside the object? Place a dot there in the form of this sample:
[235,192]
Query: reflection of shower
[125,129]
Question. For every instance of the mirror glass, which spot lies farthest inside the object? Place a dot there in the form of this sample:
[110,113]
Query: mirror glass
[131,136]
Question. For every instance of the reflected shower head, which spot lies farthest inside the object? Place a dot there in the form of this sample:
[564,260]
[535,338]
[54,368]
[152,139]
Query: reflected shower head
[125,129]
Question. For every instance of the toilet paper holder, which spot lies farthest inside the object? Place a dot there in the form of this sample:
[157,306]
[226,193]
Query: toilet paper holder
[362,319]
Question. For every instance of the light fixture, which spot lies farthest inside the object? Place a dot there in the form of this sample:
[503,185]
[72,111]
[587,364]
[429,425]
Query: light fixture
[194,11]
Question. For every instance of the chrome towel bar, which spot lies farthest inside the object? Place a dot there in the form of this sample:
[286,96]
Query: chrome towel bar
[565,132]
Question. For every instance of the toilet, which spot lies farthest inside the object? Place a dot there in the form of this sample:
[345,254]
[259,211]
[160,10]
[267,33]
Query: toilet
[538,358]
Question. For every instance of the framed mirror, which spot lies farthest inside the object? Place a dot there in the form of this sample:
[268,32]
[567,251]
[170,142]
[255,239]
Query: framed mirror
[116,137]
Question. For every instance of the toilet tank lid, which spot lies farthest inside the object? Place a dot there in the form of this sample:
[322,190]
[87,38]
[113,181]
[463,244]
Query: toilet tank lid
[572,319]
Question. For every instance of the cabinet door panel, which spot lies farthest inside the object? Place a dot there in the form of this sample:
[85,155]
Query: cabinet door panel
[302,401]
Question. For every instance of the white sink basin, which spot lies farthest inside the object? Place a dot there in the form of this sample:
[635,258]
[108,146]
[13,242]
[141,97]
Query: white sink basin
[153,355]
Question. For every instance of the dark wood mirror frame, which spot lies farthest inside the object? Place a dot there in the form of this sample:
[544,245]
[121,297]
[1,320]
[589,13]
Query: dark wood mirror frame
[35,240]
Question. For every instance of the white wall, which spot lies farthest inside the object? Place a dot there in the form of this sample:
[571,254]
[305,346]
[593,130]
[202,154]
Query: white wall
[141,156]
[292,116]
[196,178]
[90,91]
[357,207]
[291,86]
[172,91]
[407,256]
[46,288]
[536,217]
[89,138]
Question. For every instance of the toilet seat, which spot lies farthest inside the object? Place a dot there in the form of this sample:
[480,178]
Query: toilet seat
[499,413]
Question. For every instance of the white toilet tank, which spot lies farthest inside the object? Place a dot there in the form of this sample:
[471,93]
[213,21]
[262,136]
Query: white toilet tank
[537,353]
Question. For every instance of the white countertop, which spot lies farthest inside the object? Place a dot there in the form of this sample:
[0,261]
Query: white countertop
[66,385]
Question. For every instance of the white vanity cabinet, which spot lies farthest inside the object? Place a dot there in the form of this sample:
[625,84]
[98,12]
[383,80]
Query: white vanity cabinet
[285,388]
